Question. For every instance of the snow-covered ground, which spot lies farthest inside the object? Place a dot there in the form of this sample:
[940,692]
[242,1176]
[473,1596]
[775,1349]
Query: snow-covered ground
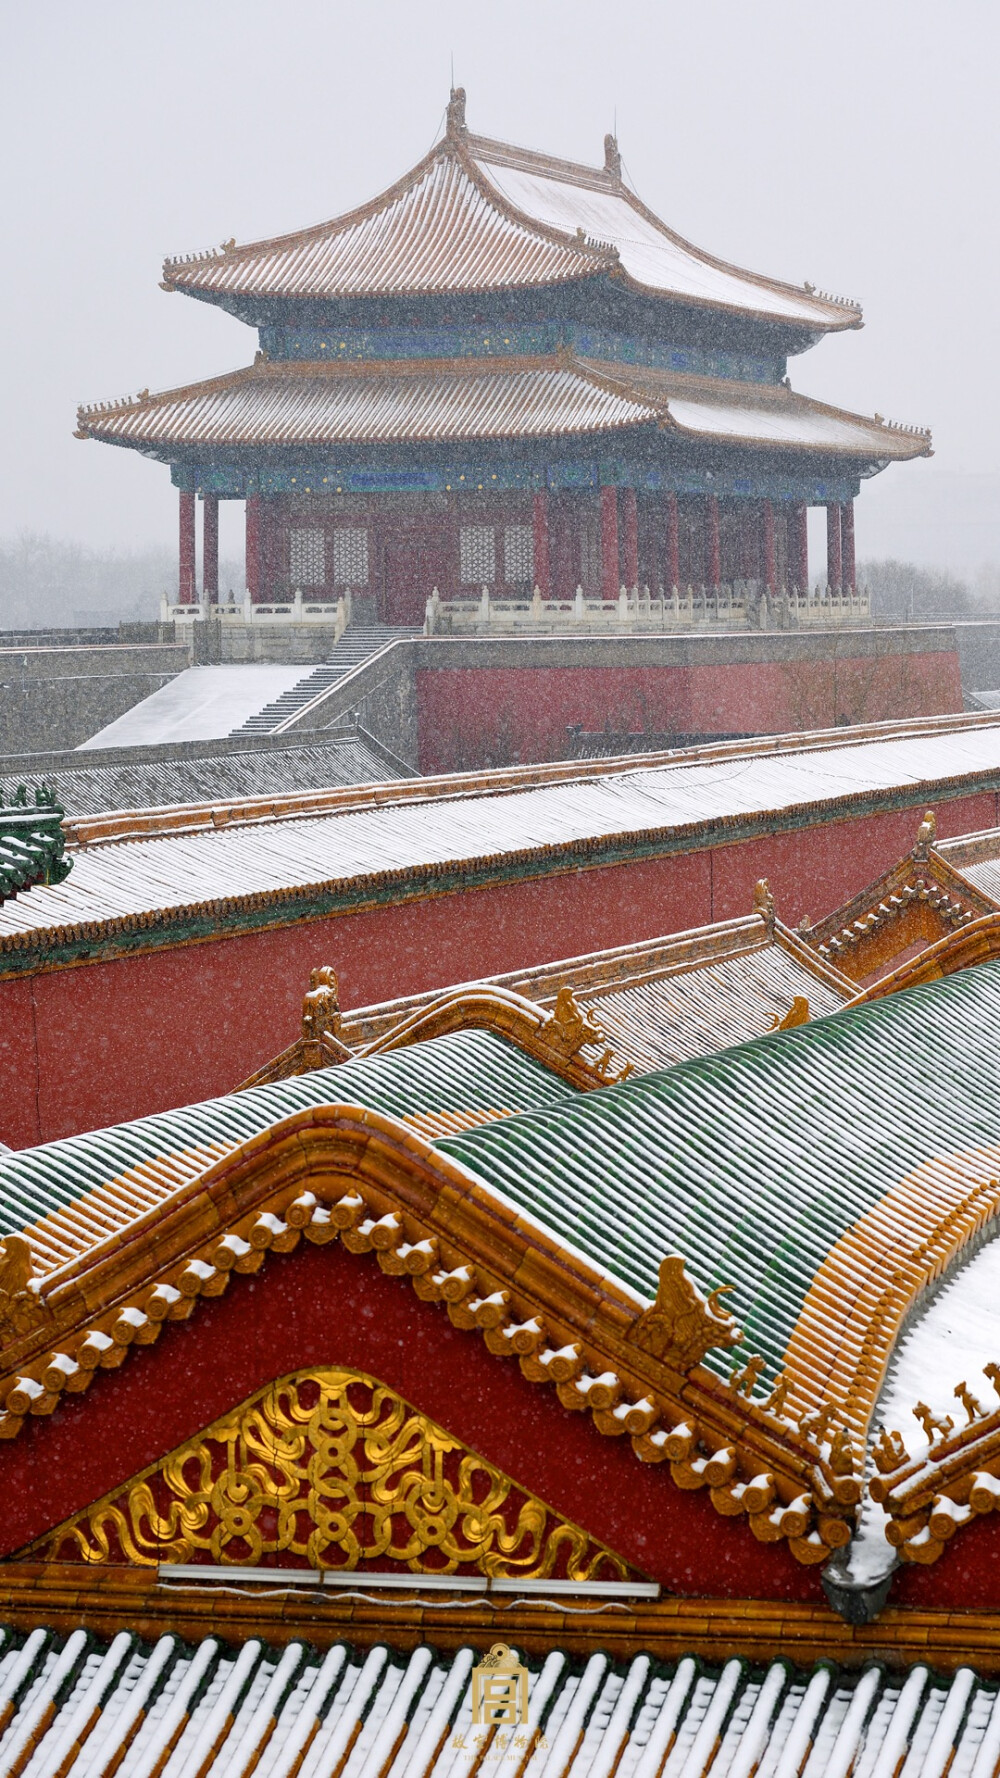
[956,1335]
[201,704]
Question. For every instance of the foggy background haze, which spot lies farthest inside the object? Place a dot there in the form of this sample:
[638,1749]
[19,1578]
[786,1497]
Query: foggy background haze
[852,146]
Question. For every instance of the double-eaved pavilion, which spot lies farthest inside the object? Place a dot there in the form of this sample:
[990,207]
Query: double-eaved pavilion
[506,372]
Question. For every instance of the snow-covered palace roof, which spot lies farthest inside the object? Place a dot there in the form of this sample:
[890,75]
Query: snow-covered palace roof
[319,405]
[479,215]
[811,1170]
[317,853]
[79,1705]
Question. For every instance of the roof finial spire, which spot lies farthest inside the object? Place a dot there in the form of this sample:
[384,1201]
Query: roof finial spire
[612,158]
[455,123]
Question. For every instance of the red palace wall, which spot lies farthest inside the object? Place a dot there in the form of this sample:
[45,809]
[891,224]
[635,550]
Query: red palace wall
[472,716]
[106,1041]
[325,1306]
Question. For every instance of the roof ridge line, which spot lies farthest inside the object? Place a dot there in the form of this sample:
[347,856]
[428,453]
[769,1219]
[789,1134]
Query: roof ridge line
[533,160]
[445,148]
[594,179]
[605,255]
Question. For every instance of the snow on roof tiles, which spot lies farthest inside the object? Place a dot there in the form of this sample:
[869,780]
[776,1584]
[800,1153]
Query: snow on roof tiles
[207,777]
[132,879]
[744,1162]
[234,1708]
[667,999]
[291,403]
[756,1162]
[477,215]
[113,1176]
[649,253]
[435,231]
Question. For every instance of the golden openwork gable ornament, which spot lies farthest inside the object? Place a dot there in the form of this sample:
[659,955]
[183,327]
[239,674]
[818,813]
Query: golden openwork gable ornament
[330,1469]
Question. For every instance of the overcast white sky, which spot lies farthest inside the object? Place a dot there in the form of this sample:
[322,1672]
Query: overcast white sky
[854,145]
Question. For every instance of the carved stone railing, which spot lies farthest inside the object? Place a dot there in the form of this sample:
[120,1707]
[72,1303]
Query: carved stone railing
[743,605]
[301,608]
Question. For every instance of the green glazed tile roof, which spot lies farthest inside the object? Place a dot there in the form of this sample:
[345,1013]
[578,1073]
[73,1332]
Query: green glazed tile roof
[752,1162]
[32,843]
[466,1071]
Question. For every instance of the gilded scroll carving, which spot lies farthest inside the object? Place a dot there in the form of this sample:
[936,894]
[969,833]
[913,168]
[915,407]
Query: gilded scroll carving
[334,1469]
[683,1324]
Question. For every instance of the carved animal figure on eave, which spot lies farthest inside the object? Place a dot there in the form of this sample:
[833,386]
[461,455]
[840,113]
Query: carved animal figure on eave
[683,1324]
[926,835]
[321,1020]
[321,1005]
[21,1307]
[568,1027]
[974,1409]
[763,903]
[797,1014]
[744,1380]
[934,1425]
[889,1451]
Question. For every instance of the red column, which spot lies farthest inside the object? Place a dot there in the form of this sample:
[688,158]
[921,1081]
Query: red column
[254,521]
[848,564]
[713,550]
[540,520]
[185,574]
[744,542]
[799,547]
[210,547]
[630,539]
[672,577]
[834,548]
[769,568]
[609,543]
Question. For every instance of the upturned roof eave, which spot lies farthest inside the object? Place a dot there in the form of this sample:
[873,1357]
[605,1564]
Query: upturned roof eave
[603,257]
[594,259]
[378,1171]
[639,386]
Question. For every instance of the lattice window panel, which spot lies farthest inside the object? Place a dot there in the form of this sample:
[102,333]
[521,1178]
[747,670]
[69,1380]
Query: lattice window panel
[477,548]
[518,554]
[307,558]
[350,557]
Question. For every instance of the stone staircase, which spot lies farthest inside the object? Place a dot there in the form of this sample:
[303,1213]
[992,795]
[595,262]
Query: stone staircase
[357,645]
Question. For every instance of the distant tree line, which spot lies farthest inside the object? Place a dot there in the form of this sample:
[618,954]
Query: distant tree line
[901,589]
[49,583]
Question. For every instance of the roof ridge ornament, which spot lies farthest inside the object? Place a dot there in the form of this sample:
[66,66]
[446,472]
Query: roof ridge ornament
[926,836]
[455,124]
[797,1014]
[612,157]
[22,1306]
[763,903]
[683,1324]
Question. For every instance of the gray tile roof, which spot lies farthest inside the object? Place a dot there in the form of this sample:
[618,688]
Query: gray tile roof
[211,776]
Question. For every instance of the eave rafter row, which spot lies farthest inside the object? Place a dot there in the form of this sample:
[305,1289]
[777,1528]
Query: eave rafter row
[349,1173]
